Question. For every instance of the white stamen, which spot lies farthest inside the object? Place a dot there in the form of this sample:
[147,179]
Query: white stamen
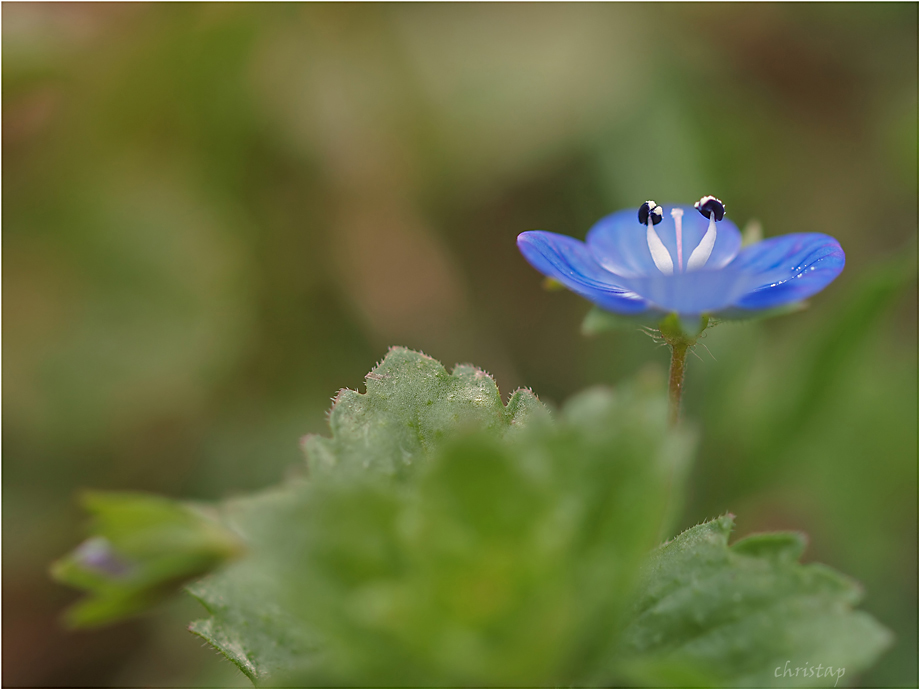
[677,215]
[659,252]
[701,254]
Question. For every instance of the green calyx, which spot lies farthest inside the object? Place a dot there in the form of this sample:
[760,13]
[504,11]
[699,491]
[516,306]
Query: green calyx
[683,332]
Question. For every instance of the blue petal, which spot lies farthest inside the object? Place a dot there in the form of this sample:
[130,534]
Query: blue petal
[570,262]
[693,293]
[788,269]
[619,242]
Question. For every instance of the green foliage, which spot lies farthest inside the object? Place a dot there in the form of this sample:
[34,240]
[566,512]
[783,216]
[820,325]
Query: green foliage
[142,549]
[503,563]
[742,616]
[445,539]
[247,622]
[496,558]
[499,555]
[411,405]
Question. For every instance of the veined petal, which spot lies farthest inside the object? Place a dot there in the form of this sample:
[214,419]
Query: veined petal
[571,263]
[788,269]
[619,244]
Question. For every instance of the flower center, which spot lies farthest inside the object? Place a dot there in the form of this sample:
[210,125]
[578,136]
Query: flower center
[650,215]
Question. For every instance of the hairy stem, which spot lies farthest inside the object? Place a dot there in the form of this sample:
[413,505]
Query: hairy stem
[676,379]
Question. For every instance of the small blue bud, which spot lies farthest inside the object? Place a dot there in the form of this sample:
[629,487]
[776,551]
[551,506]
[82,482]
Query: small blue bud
[97,554]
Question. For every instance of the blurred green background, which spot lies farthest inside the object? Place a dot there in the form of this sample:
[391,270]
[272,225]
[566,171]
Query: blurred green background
[217,215]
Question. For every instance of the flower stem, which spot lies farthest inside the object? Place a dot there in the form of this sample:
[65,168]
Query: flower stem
[676,379]
[680,336]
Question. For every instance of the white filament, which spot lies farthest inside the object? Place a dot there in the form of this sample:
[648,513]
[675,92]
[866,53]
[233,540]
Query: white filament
[677,215]
[659,253]
[701,254]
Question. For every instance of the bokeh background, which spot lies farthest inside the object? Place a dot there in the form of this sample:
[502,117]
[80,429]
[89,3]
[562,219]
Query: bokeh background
[215,216]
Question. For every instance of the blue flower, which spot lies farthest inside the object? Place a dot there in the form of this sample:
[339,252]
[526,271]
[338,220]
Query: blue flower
[684,260]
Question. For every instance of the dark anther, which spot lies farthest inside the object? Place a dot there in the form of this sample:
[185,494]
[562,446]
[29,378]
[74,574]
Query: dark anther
[709,205]
[650,208]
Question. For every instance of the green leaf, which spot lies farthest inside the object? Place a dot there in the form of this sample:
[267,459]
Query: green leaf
[142,549]
[412,404]
[743,616]
[503,552]
[504,561]
[247,624]
[445,539]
